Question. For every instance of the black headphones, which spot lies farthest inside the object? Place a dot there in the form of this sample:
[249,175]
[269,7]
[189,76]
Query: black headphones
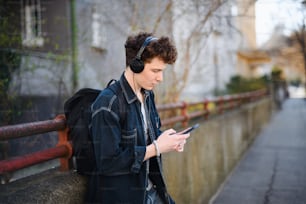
[137,65]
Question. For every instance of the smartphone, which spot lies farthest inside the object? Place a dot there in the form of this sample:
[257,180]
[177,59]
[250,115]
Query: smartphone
[188,130]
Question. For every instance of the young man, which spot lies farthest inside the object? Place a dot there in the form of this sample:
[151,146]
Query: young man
[129,167]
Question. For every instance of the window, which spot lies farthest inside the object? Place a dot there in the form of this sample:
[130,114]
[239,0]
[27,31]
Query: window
[31,23]
[98,31]
[234,10]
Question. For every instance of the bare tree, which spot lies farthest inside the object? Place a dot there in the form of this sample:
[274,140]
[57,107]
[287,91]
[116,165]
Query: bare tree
[300,37]
[201,17]
[208,17]
[203,14]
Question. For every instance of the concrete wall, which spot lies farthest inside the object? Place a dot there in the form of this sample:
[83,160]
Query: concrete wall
[192,176]
[212,151]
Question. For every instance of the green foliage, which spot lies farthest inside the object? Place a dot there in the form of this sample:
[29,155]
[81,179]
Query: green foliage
[9,35]
[238,84]
[276,73]
[9,62]
[296,82]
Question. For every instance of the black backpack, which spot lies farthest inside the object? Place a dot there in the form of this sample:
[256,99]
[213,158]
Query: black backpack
[78,118]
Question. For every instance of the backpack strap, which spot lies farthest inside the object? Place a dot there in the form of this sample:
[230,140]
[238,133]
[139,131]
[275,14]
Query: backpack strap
[114,86]
[110,82]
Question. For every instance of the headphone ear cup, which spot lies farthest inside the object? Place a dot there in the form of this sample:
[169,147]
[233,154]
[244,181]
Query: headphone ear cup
[137,65]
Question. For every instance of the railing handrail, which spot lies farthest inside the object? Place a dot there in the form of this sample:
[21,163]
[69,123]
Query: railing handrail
[32,128]
[63,149]
[223,103]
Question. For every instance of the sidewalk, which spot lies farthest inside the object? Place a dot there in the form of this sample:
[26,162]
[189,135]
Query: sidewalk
[273,171]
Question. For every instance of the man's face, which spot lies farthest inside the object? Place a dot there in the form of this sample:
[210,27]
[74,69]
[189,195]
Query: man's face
[152,74]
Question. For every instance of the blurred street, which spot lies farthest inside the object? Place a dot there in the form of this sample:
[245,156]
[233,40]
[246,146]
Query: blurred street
[273,170]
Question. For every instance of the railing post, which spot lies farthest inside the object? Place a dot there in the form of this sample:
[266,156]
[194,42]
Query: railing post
[206,109]
[220,103]
[239,100]
[185,114]
[233,102]
[63,140]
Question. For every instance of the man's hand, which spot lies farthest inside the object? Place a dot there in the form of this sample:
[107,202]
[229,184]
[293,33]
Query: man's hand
[169,141]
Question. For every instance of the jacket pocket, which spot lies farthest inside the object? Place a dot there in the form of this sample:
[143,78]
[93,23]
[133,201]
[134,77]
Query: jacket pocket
[129,137]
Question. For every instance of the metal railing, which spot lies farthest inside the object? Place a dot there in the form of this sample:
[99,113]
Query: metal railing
[207,107]
[182,112]
[63,149]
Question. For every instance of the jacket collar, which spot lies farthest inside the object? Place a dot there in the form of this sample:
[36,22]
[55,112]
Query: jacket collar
[127,90]
[129,94]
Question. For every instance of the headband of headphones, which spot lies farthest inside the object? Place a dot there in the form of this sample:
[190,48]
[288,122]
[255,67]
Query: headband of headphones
[145,43]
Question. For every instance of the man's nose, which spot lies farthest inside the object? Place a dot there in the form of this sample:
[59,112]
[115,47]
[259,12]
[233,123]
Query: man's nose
[159,77]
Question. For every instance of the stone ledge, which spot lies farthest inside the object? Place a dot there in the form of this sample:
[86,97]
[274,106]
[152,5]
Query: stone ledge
[52,186]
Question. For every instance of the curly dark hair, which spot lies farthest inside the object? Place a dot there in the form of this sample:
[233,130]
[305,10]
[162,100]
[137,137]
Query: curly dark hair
[161,48]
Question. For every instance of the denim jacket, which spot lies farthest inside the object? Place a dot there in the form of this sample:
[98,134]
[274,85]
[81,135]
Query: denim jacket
[120,147]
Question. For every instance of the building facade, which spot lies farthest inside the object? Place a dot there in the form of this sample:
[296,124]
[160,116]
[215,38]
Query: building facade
[67,45]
